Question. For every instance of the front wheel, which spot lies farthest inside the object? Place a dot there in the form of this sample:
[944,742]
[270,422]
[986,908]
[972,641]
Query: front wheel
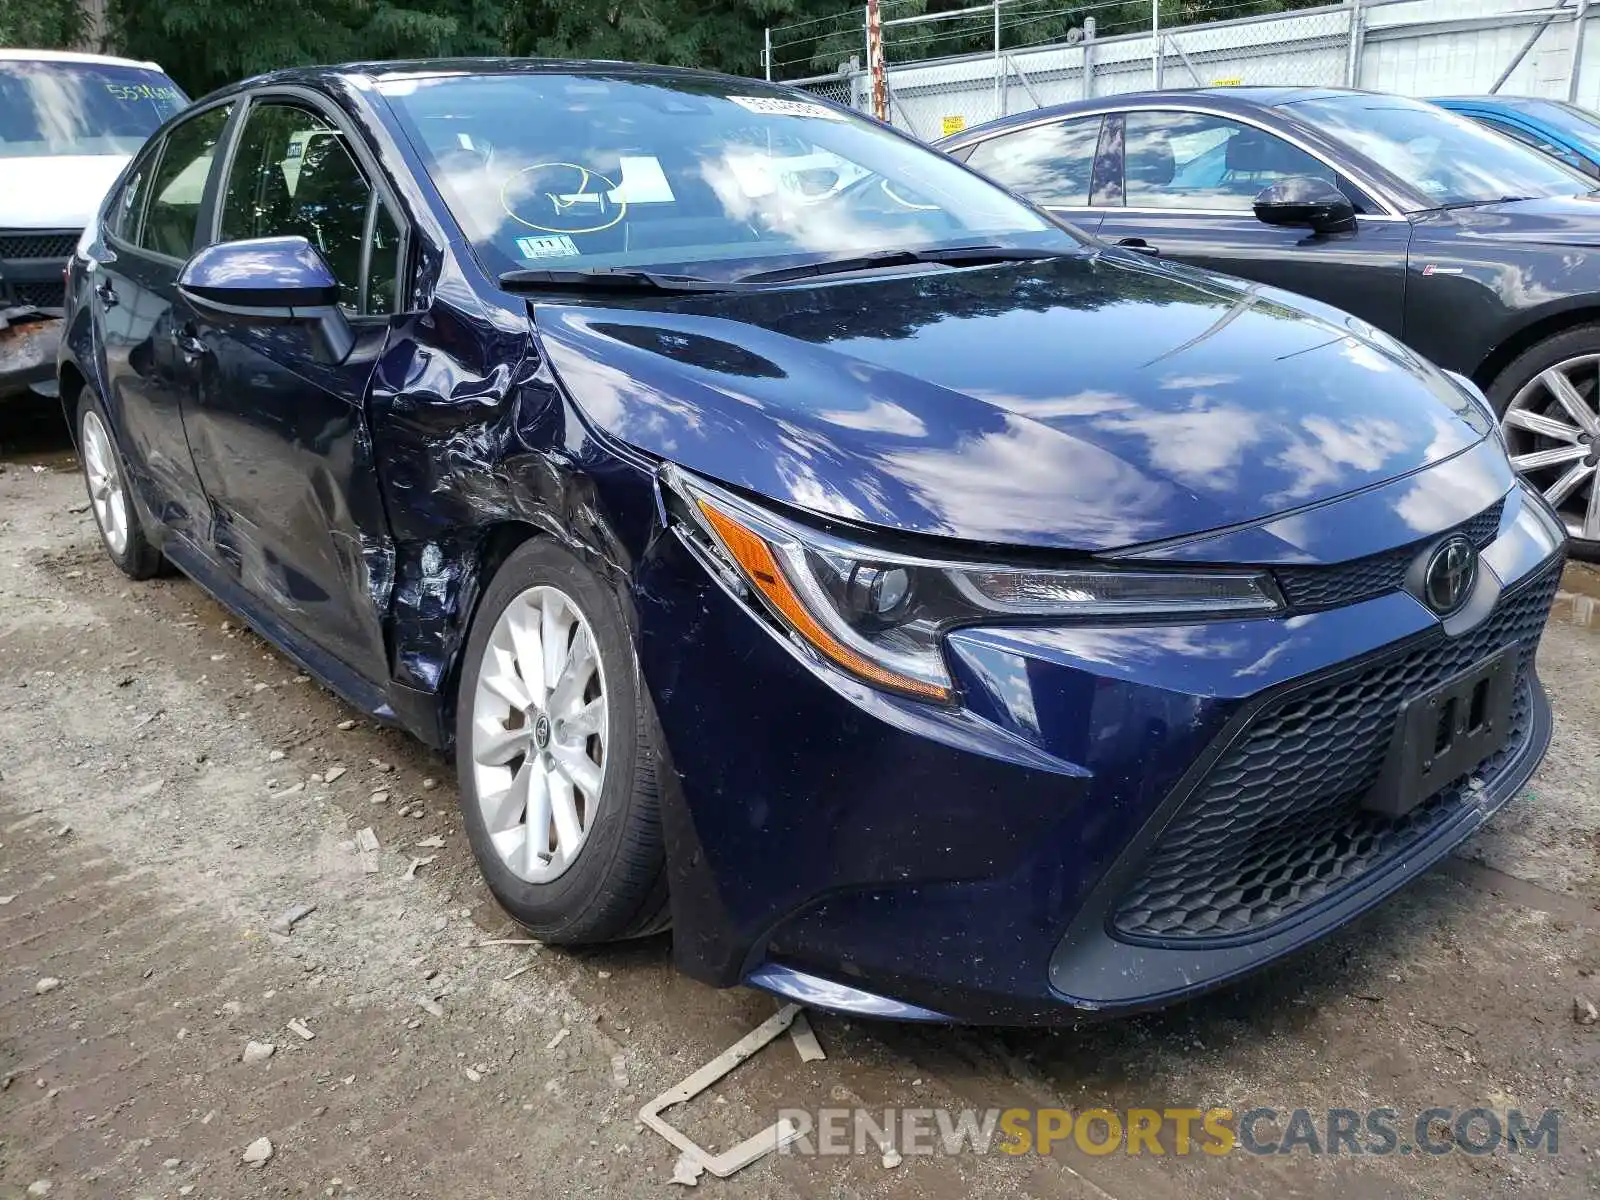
[555,755]
[1549,401]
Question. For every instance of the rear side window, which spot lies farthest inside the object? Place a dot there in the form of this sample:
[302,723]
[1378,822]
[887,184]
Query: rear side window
[1049,164]
[124,211]
[178,184]
[294,174]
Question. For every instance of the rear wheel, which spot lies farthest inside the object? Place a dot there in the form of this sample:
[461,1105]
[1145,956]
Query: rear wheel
[1549,401]
[555,756]
[109,498]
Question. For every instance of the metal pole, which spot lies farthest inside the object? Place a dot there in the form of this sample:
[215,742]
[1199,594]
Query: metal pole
[1358,32]
[1027,84]
[766,52]
[1517,58]
[880,78]
[999,79]
[1580,27]
[1088,58]
[1155,44]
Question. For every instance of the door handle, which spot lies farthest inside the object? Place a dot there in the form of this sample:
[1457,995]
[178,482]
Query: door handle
[107,294]
[1139,246]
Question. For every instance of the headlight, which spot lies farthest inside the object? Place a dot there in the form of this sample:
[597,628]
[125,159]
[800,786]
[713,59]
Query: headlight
[882,616]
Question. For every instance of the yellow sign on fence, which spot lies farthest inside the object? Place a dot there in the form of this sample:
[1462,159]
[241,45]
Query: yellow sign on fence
[954,124]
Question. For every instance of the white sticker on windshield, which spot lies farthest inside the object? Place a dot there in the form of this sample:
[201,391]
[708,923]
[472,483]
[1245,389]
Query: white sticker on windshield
[776,106]
[643,181]
[558,246]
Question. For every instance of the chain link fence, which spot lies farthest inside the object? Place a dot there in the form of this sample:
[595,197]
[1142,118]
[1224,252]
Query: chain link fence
[950,70]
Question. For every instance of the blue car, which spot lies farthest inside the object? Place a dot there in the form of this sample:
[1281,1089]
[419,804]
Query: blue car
[1555,128]
[931,612]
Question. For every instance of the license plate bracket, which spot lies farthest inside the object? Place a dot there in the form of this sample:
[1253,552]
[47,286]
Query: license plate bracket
[1446,731]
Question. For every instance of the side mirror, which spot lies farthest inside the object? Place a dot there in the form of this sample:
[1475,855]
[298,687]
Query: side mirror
[1308,201]
[270,281]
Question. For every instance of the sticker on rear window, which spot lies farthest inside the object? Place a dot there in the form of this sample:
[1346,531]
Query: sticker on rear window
[775,106]
[559,246]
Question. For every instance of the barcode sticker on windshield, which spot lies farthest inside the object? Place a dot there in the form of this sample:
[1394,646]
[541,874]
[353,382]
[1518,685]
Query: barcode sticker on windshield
[776,106]
[559,246]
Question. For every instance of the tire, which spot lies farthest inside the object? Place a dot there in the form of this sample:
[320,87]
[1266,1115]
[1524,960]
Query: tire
[105,476]
[1522,392]
[612,884]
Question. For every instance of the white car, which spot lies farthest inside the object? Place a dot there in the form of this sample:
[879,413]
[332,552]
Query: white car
[69,123]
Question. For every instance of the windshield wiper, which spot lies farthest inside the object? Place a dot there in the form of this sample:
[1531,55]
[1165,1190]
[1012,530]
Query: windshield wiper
[946,255]
[1480,203]
[605,279]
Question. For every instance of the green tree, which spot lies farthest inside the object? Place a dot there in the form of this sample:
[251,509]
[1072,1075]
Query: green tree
[40,24]
[204,44]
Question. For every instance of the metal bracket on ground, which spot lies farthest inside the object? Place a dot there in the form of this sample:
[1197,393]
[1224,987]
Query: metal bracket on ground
[694,1160]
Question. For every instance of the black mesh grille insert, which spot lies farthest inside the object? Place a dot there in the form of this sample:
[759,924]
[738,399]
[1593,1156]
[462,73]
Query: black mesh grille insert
[39,295]
[1310,588]
[1277,824]
[37,245]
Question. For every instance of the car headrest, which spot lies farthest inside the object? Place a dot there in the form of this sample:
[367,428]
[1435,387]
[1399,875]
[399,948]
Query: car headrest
[1254,152]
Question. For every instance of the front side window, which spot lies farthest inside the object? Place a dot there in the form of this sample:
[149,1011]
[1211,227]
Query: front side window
[1447,157]
[1049,164]
[1200,161]
[178,184]
[700,176]
[294,175]
[49,108]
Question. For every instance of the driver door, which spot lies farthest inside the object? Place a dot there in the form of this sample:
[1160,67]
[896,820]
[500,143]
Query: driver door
[1188,185]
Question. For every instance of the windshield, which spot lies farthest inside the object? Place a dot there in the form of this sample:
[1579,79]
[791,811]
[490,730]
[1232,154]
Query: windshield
[49,108]
[1446,157]
[695,176]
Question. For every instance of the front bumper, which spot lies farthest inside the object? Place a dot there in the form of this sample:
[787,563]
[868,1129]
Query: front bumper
[28,354]
[979,864]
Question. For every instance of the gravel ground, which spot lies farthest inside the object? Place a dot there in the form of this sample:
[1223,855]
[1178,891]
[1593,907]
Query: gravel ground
[169,786]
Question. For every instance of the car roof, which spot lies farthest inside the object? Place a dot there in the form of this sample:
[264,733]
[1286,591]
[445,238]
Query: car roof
[1224,99]
[73,56]
[378,71]
[1494,101]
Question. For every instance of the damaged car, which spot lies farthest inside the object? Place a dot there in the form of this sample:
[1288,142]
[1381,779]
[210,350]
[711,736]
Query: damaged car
[68,125]
[928,611]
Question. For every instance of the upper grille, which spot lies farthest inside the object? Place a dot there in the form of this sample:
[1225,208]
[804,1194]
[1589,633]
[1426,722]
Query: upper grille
[1310,588]
[1277,824]
[37,245]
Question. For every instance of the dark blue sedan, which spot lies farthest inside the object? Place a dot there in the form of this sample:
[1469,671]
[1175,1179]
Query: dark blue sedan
[931,612]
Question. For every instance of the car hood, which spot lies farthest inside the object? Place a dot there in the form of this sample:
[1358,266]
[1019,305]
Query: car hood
[1087,402]
[55,192]
[1553,220]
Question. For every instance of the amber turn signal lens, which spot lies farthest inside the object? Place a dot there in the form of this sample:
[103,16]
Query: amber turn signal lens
[761,567]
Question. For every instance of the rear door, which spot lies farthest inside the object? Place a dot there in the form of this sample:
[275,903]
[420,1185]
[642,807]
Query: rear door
[1188,183]
[1051,163]
[281,440]
[151,232]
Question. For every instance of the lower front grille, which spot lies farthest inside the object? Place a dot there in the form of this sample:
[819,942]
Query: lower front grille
[33,295]
[1277,823]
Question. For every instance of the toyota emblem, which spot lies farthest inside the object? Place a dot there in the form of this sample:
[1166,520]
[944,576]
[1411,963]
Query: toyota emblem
[1452,570]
